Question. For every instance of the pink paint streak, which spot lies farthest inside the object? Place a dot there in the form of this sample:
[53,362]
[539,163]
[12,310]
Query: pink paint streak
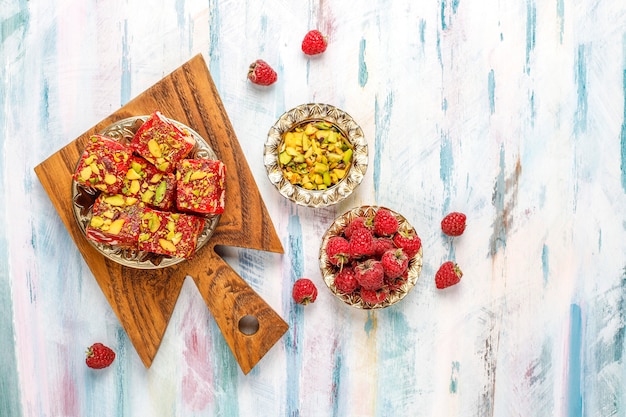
[197,382]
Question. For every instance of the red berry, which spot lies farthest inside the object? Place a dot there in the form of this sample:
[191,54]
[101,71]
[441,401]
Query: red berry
[345,281]
[382,245]
[394,284]
[338,250]
[361,243]
[374,296]
[99,356]
[453,224]
[261,73]
[356,223]
[395,263]
[409,241]
[370,274]
[448,274]
[385,223]
[304,291]
[314,43]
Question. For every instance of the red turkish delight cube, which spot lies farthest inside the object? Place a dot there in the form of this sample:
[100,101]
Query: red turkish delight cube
[155,188]
[103,164]
[162,142]
[166,233]
[200,186]
[115,221]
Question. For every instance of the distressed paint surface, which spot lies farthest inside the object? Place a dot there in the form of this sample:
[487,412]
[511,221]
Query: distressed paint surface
[513,112]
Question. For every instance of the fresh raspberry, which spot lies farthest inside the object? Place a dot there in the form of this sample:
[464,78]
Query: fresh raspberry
[361,243]
[373,296]
[395,262]
[338,251]
[345,281]
[370,274]
[356,223]
[314,42]
[385,223]
[394,284]
[261,73]
[453,224]
[304,291]
[99,356]
[409,241]
[382,245]
[448,274]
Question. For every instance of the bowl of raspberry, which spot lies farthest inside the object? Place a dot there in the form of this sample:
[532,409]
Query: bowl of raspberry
[315,155]
[370,257]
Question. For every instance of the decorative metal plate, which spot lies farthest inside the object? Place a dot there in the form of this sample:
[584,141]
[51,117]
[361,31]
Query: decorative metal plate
[83,199]
[329,271]
[316,112]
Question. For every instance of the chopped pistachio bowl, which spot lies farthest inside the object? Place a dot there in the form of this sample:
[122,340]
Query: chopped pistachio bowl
[315,155]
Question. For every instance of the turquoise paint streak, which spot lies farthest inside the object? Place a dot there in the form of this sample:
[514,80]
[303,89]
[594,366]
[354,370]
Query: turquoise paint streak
[381,117]
[363,75]
[498,237]
[370,323]
[446,21]
[446,165]
[214,49]
[293,338]
[422,31]
[226,372]
[126,71]
[491,87]
[13,30]
[545,263]
[623,132]
[560,13]
[454,377]
[531,30]
[395,362]
[574,377]
[580,117]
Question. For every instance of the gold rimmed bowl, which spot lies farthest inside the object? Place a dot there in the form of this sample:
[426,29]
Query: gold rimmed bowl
[329,271]
[315,155]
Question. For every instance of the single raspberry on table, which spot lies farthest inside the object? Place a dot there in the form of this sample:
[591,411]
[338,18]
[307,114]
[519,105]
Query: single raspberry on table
[338,251]
[314,42]
[385,223]
[395,262]
[370,274]
[453,224]
[374,296]
[361,243]
[409,241]
[382,245]
[99,356]
[261,73]
[345,281]
[448,274]
[304,291]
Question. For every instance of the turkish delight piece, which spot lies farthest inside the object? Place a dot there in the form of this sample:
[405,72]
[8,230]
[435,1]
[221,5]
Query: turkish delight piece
[162,142]
[167,233]
[200,186]
[152,187]
[103,164]
[115,221]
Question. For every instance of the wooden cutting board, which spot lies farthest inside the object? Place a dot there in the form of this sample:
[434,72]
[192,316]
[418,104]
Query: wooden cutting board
[144,299]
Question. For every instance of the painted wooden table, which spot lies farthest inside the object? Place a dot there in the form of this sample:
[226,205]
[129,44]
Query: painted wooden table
[510,111]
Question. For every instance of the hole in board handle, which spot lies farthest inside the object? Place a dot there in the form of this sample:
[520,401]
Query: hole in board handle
[248,325]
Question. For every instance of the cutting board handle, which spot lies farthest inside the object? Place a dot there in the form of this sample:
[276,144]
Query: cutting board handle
[249,325]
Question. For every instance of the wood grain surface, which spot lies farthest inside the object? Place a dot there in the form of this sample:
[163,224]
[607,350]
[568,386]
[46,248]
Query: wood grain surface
[145,299]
